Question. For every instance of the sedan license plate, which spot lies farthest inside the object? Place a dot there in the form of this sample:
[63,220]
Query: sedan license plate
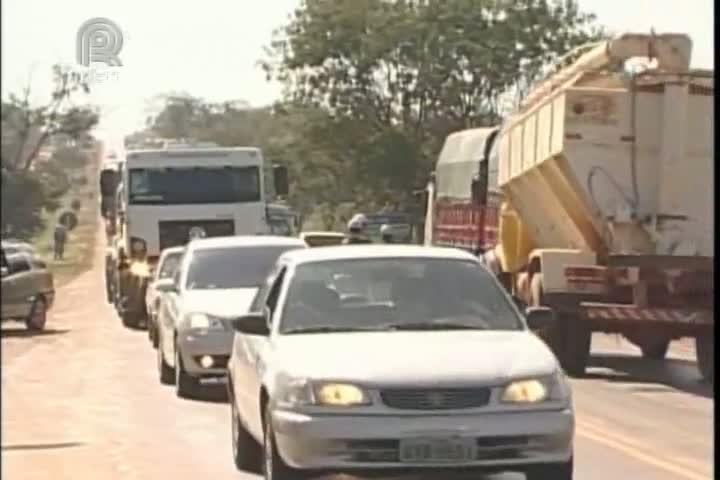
[454,450]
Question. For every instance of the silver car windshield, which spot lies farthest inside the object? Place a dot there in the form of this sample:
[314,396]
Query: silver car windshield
[232,267]
[396,294]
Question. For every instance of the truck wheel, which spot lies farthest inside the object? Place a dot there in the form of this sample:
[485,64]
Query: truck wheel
[553,335]
[131,319]
[577,343]
[705,354]
[654,349]
[37,317]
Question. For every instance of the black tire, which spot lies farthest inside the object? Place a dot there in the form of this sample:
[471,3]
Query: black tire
[705,354]
[166,373]
[578,340]
[274,467]
[554,471]
[131,319]
[655,350]
[186,386]
[552,335]
[247,454]
[37,318]
[569,337]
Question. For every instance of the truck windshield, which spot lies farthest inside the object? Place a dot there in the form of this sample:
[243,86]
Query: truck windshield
[170,186]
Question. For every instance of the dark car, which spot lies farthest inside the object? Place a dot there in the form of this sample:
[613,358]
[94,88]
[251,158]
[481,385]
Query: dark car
[27,288]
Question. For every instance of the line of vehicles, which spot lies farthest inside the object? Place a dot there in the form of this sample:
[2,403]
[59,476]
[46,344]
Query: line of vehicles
[588,210]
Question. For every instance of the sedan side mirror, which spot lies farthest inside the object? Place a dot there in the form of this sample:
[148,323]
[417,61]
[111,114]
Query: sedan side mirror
[252,324]
[4,272]
[539,318]
[165,285]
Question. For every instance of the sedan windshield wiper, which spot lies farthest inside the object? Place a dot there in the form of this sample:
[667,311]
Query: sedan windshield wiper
[326,329]
[432,326]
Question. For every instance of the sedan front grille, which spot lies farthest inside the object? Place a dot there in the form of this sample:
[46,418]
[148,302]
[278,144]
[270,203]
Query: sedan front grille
[436,399]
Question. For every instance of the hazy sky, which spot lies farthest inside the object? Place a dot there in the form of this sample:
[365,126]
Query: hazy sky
[211,48]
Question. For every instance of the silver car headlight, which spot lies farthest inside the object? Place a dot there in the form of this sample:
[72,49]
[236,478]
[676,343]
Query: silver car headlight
[202,321]
[327,394]
[553,388]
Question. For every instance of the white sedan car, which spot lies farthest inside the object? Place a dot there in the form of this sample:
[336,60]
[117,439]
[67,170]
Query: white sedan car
[418,361]
[215,282]
[163,275]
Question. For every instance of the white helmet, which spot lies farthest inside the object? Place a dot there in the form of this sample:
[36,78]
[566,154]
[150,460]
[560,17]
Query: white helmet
[357,223]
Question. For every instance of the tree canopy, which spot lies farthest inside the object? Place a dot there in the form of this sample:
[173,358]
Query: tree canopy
[373,87]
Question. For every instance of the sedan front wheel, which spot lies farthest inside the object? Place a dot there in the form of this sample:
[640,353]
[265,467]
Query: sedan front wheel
[274,468]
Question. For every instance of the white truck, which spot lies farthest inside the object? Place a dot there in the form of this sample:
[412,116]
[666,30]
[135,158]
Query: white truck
[165,197]
[595,198]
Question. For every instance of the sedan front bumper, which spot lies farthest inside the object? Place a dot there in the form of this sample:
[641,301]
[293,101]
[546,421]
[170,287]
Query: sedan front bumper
[503,441]
[195,344]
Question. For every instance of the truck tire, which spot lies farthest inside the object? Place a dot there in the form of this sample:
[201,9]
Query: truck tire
[652,347]
[569,338]
[705,354]
[552,336]
[577,343]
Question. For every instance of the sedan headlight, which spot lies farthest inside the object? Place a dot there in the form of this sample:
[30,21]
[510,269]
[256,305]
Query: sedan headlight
[537,390]
[302,392]
[202,321]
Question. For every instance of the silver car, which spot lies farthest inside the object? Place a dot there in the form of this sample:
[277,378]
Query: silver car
[162,278]
[215,282]
[417,359]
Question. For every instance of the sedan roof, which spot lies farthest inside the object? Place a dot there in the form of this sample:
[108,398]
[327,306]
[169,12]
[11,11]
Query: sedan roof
[245,241]
[353,252]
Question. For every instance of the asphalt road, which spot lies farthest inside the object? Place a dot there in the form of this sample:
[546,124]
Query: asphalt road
[81,401]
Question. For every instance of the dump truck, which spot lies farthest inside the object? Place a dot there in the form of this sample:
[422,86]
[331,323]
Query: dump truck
[595,197]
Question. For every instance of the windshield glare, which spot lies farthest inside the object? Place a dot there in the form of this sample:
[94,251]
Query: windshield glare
[193,186]
[392,293]
[234,267]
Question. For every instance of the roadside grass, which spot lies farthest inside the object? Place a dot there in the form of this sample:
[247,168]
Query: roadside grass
[81,241]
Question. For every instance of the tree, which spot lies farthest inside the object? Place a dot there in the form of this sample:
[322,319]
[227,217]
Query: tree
[27,128]
[395,77]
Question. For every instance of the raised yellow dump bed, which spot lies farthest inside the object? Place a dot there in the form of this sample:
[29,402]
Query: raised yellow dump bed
[607,162]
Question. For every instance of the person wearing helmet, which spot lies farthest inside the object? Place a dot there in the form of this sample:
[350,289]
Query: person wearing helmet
[356,230]
[387,234]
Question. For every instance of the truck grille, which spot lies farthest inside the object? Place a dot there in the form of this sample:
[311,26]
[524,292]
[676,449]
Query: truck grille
[436,399]
[177,233]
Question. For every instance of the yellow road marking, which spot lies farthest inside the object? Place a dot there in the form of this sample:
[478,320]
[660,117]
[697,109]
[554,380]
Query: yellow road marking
[611,440]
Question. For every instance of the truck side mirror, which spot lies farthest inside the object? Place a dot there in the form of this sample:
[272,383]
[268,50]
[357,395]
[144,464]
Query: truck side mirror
[280,178]
[109,180]
[478,190]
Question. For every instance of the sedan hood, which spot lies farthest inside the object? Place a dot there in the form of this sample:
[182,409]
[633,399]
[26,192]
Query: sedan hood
[413,358]
[231,302]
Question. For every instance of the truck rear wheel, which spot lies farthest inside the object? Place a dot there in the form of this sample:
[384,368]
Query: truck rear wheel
[705,354]
[652,346]
[569,338]
[577,343]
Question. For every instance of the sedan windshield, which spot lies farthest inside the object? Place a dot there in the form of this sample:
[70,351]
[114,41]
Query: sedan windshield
[232,267]
[387,294]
